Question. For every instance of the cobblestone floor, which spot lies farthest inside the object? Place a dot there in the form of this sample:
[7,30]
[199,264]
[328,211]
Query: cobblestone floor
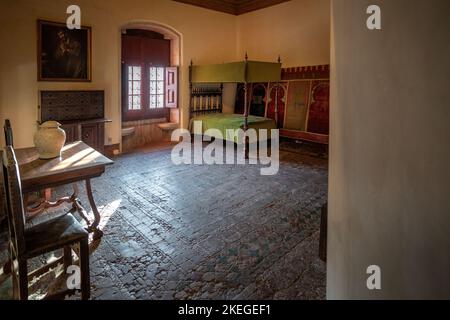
[209,232]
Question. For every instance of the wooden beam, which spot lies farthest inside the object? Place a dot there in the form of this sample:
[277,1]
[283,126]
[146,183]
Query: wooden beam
[253,5]
[235,7]
[217,5]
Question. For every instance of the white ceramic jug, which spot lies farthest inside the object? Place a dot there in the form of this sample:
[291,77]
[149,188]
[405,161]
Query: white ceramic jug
[49,140]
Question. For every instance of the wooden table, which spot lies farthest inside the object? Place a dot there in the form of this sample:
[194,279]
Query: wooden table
[78,162]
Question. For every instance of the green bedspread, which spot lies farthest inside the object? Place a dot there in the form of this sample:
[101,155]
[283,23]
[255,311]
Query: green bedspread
[224,121]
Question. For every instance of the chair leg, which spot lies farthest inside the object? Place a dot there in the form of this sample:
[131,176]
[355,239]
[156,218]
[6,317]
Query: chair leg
[23,279]
[67,257]
[84,268]
[15,282]
[8,266]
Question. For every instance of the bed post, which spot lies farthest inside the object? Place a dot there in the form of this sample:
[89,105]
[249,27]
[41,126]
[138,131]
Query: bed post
[191,98]
[221,99]
[276,98]
[246,112]
[246,142]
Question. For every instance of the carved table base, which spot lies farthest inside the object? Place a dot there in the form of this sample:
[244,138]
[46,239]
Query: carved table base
[92,227]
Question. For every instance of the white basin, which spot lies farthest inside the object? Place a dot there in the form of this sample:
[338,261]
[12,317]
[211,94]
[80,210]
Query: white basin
[128,131]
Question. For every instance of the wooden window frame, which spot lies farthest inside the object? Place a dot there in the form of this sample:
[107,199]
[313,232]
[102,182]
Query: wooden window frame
[145,112]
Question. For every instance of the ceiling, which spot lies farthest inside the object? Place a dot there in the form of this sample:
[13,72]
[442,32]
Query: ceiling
[236,7]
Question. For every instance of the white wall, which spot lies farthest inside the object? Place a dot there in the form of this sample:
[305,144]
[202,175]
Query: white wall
[389,194]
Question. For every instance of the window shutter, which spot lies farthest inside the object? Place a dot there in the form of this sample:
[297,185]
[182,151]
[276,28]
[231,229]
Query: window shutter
[172,87]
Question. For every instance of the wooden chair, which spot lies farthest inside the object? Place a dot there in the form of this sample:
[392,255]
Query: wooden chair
[3,222]
[8,133]
[9,142]
[44,194]
[26,243]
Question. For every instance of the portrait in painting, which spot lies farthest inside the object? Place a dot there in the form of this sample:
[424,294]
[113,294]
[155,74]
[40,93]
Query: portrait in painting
[63,54]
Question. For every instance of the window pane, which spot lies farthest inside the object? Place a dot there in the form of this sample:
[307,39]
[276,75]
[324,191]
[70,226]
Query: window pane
[136,102]
[152,74]
[152,101]
[130,73]
[136,73]
[136,87]
[160,73]
[130,87]
[152,87]
[160,101]
[160,87]
[156,84]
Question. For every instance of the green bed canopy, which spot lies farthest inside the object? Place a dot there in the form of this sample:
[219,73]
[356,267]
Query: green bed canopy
[237,72]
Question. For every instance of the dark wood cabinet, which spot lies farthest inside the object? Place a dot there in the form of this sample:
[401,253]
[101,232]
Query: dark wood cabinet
[90,132]
[81,114]
[71,132]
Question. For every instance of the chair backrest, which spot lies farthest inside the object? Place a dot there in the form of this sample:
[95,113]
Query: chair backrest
[8,133]
[2,195]
[14,200]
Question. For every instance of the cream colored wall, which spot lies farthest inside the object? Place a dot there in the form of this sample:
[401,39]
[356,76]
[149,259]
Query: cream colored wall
[298,31]
[389,202]
[207,37]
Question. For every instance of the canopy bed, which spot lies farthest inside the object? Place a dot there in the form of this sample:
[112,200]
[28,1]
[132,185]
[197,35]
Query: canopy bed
[206,90]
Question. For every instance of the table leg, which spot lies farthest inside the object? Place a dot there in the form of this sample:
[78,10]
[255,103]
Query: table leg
[48,194]
[94,226]
[76,204]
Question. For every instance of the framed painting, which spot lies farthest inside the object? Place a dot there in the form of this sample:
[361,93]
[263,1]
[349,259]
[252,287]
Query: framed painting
[63,54]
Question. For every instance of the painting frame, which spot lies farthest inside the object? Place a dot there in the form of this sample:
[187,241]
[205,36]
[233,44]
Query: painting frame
[46,67]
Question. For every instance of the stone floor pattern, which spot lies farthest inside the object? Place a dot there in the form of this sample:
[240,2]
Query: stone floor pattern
[209,232]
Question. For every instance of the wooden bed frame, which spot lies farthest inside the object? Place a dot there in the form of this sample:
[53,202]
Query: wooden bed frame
[206,98]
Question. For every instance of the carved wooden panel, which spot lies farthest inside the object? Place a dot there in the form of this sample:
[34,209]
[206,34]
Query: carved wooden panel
[89,134]
[297,104]
[71,132]
[308,73]
[308,103]
[258,99]
[72,105]
[319,109]
[277,91]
